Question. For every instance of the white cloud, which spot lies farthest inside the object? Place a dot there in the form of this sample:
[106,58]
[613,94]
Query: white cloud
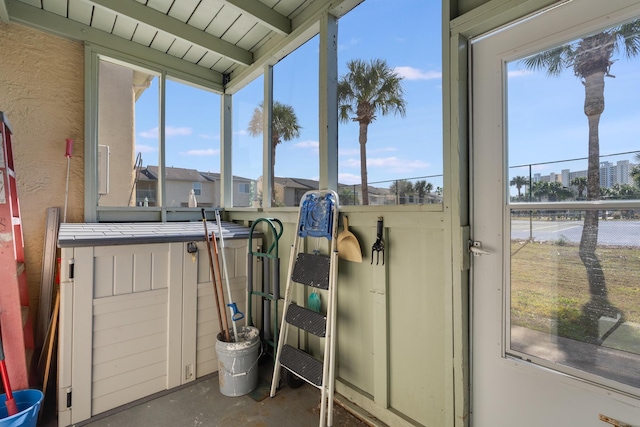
[397,165]
[349,152]
[241,132]
[168,131]
[307,144]
[350,43]
[382,150]
[208,136]
[205,152]
[411,73]
[174,131]
[140,148]
[348,178]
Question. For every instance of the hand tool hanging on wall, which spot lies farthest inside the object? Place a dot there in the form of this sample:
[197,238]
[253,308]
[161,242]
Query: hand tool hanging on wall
[224,330]
[378,246]
[12,408]
[348,245]
[236,314]
[66,193]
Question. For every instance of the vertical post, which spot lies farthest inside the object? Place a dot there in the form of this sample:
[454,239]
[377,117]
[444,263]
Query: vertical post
[226,144]
[328,100]
[268,170]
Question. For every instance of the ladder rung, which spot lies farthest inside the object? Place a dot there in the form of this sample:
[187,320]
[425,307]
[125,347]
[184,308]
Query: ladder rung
[20,268]
[24,311]
[312,270]
[307,320]
[302,364]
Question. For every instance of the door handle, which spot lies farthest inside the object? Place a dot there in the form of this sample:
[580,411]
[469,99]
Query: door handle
[475,248]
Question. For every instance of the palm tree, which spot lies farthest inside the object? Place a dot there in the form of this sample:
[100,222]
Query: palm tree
[635,175]
[284,127]
[580,182]
[420,187]
[366,90]
[401,188]
[540,189]
[591,61]
[519,182]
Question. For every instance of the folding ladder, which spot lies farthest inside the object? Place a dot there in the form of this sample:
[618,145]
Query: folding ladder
[317,220]
[15,316]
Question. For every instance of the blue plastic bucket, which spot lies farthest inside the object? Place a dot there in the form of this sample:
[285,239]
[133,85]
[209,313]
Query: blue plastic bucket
[28,403]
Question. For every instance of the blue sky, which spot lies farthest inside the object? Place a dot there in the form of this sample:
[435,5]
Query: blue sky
[397,147]
[546,119]
[545,115]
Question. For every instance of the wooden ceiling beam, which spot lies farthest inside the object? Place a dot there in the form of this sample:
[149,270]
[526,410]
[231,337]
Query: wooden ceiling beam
[175,27]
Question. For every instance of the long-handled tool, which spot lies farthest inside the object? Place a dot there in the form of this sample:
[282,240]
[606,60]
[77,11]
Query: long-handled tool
[222,318]
[67,154]
[10,403]
[233,308]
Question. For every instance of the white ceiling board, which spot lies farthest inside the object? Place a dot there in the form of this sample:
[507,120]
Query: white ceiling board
[59,7]
[103,19]
[179,48]
[253,38]
[162,41]
[169,25]
[222,21]
[144,34]
[36,3]
[80,11]
[264,15]
[209,59]
[124,27]
[204,14]
[160,5]
[21,12]
[183,9]
[223,66]
[239,29]
[194,54]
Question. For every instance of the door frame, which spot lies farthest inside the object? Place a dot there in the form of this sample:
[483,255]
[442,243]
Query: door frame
[513,365]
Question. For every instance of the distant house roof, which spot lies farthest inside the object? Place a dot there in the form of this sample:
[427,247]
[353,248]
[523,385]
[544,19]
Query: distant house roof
[175,174]
[215,176]
[300,183]
[150,173]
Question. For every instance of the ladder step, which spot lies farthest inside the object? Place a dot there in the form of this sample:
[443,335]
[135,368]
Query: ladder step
[307,320]
[24,312]
[312,270]
[302,364]
[20,268]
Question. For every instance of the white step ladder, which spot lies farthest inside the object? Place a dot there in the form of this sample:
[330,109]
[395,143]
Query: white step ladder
[317,220]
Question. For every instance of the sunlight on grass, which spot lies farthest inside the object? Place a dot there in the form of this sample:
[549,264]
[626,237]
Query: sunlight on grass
[549,287]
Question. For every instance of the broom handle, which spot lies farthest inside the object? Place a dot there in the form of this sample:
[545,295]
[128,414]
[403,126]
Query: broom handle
[233,308]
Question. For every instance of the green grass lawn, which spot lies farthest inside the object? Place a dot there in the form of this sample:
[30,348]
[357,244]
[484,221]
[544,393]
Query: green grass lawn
[549,285]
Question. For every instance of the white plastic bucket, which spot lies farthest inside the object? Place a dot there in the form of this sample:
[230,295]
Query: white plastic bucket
[238,362]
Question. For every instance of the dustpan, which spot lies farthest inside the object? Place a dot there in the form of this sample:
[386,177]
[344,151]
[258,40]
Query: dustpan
[348,245]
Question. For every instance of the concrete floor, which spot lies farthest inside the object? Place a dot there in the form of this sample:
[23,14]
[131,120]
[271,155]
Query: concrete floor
[200,404]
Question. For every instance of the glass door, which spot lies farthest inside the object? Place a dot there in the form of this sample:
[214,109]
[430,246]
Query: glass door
[556,202]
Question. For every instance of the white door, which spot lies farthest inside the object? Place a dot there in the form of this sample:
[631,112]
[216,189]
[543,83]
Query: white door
[556,202]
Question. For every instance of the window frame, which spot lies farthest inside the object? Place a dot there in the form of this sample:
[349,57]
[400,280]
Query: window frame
[92,212]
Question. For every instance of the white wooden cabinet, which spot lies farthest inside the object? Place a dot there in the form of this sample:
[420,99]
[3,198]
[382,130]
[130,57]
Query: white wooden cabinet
[137,318]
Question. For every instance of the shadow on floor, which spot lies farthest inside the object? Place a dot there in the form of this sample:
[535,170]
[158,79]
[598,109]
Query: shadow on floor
[200,404]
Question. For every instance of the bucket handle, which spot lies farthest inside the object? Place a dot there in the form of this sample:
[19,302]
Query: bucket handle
[253,365]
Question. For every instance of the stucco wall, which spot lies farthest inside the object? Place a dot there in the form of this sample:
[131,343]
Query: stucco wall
[42,94]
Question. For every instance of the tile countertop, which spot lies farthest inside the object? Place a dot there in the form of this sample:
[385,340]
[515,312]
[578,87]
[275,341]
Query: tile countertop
[103,234]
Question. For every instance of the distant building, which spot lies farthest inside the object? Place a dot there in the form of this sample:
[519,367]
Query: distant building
[180,181]
[610,174]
